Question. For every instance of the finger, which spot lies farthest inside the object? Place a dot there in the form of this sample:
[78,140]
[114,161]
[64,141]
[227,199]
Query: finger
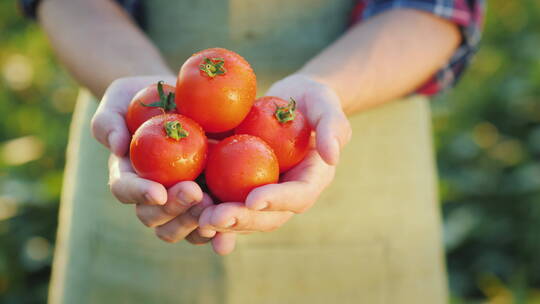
[205,218]
[224,243]
[109,129]
[206,232]
[177,229]
[294,196]
[322,107]
[300,187]
[198,209]
[232,217]
[182,196]
[196,239]
[108,124]
[129,188]
[333,133]
[152,216]
[332,127]
[212,233]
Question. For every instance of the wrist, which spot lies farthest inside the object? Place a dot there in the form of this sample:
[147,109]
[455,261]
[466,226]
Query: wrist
[316,83]
[313,80]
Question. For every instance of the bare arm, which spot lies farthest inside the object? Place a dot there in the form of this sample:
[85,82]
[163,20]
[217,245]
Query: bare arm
[98,42]
[385,58]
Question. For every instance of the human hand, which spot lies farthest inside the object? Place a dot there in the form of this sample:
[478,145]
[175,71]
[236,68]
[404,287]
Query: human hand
[270,206]
[165,210]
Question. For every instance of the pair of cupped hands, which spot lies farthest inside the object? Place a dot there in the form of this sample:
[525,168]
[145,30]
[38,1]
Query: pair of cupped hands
[184,211]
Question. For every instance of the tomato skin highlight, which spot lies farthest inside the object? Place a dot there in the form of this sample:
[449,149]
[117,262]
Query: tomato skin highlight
[289,140]
[158,157]
[218,102]
[238,164]
[137,113]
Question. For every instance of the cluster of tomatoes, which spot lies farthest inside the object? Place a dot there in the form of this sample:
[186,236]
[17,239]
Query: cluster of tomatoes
[211,122]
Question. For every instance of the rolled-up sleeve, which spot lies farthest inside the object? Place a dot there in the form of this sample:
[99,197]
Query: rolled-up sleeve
[467,14]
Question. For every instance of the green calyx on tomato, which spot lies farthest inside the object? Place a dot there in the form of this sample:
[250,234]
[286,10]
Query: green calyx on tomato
[174,130]
[286,113]
[213,67]
[166,102]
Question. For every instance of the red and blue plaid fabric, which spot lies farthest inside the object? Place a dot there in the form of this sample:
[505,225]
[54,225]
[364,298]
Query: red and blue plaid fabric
[467,14]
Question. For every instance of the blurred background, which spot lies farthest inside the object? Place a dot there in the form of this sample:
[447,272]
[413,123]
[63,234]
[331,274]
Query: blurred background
[487,134]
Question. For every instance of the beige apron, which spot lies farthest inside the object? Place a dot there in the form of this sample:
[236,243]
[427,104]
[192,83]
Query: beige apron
[373,236]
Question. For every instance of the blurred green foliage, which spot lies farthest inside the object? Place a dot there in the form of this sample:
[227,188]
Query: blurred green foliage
[487,135]
[488,147]
[36,101]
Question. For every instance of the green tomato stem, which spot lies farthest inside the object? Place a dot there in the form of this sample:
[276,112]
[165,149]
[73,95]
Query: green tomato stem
[175,130]
[166,102]
[286,113]
[213,67]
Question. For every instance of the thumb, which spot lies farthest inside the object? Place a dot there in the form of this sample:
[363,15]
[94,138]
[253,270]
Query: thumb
[322,107]
[110,129]
[333,132]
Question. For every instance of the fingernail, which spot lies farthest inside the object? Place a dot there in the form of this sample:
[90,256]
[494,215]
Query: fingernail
[183,200]
[260,206]
[230,223]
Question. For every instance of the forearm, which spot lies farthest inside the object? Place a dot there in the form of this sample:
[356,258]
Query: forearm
[385,57]
[98,42]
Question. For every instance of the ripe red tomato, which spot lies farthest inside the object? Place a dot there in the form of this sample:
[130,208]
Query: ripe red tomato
[212,143]
[282,126]
[216,88]
[151,101]
[238,164]
[168,149]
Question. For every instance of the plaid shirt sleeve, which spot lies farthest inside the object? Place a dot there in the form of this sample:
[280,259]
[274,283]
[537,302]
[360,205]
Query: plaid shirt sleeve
[467,14]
